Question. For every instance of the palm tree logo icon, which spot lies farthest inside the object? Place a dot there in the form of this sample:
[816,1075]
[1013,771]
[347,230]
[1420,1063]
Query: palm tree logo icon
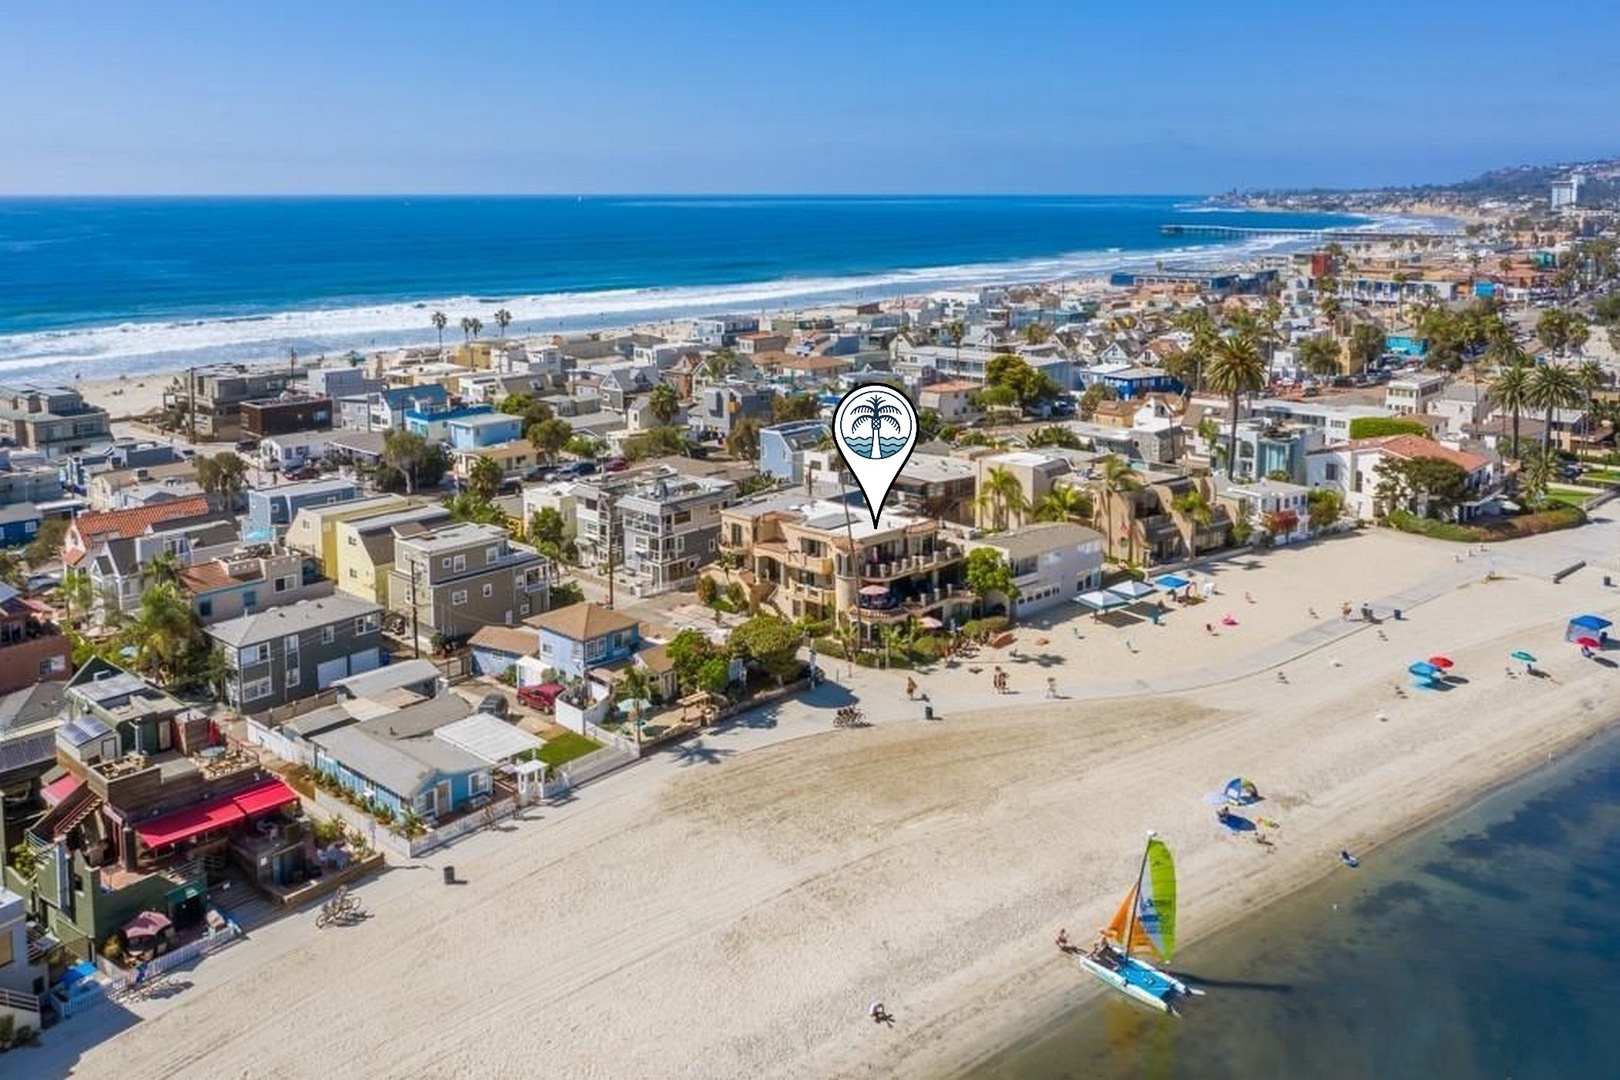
[878,412]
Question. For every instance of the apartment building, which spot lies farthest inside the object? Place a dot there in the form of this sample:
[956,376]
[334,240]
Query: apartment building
[54,420]
[213,397]
[452,580]
[296,651]
[663,526]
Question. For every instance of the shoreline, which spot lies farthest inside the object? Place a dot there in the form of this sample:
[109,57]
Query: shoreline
[374,326]
[1515,773]
[729,907]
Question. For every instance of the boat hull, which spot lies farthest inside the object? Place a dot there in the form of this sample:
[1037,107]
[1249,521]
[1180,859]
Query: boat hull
[1138,980]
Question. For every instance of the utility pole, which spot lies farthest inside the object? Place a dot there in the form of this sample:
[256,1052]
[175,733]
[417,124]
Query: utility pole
[607,510]
[416,637]
[191,409]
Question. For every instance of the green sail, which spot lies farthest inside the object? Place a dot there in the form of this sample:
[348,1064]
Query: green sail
[1156,899]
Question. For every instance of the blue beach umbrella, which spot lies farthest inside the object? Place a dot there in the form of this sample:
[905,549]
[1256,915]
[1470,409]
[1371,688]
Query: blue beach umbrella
[1522,656]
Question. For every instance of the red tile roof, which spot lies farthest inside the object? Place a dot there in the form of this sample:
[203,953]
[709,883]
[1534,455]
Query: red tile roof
[94,526]
[1415,446]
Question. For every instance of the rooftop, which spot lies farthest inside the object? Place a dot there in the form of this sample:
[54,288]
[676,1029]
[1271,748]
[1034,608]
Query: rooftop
[582,622]
[291,619]
[1029,541]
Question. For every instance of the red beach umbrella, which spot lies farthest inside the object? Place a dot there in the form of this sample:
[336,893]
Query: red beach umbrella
[1589,643]
[1441,662]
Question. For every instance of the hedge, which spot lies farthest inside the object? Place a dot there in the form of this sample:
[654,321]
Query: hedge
[1372,427]
[1544,521]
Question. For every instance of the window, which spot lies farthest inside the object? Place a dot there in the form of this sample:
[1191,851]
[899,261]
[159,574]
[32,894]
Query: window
[256,654]
[294,678]
[445,563]
[523,608]
[328,634]
[205,608]
[289,645]
[479,783]
[460,563]
[353,573]
[492,556]
[258,688]
[250,600]
[459,597]
[489,590]
[353,541]
[1332,473]
[283,584]
[365,624]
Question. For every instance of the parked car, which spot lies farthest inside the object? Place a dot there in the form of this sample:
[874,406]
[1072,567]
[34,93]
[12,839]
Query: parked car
[617,464]
[494,705]
[542,696]
[247,446]
[541,472]
[584,468]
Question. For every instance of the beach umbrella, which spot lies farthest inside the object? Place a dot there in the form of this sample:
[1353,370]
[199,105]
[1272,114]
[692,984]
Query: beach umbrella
[1589,643]
[1424,670]
[1522,656]
[1132,590]
[1591,622]
[874,590]
[1441,662]
[928,622]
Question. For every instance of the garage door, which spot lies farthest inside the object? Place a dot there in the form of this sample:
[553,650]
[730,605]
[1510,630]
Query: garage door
[329,672]
[369,660]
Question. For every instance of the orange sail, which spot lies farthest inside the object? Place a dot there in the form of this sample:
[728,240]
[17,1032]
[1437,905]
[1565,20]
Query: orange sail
[1140,942]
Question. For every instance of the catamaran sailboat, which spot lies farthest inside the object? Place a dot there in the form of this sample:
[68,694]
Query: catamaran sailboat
[1144,923]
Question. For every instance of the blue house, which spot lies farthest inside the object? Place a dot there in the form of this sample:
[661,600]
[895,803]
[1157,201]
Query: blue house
[782,447]
[396,759]
[18,523]
[483,429]
[1129,381]
[579,637]
[271,510]
[434,426]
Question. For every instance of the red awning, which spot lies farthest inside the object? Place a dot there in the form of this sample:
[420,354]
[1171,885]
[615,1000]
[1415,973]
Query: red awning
[264,796]
[178,826]
[54,792]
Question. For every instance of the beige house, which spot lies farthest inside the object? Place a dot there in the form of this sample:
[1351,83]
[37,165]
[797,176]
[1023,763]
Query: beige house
[1036,473]
[313,530]
[823,561]
[364,549]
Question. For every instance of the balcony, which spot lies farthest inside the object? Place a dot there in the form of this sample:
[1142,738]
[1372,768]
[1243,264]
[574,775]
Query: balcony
[815,564]
[907,565]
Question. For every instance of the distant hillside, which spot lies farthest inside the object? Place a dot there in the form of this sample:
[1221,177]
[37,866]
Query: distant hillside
[1600,186]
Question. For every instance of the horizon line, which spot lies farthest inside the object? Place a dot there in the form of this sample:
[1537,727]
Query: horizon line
[581,195]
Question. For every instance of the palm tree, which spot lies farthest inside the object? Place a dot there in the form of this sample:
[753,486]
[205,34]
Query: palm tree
[439,321]
[1063,504]
[1536,474]
[164,569]
[475,327]
[466,329]
[956,330]
[1319,355]
[1511,390]
[1237,369]
[1118,479]
[503,319]
[1002,496]
[664,403]
[164,631]
[1553,387]
[875,412]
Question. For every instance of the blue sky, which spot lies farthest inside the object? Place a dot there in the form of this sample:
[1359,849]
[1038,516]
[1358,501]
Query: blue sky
[874,96]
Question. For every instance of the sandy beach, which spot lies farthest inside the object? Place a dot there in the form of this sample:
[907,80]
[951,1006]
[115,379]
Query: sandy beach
[729,907]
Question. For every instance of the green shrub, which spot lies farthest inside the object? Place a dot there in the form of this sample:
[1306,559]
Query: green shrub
[991,624]
[1550,520]
[707,590]
[826,646]
[926,650]
[327,831]
[1372,427]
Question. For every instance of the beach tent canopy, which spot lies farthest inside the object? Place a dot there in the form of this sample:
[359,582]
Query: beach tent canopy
[1170,583]
[146,924]
[1101,601]
[1441,662]
[1132,590]
[1241,791]
[1585,626]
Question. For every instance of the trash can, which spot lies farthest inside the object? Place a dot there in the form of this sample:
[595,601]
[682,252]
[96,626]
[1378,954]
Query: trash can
[1397,614]
[1606,582]
[928,712]
[449,875]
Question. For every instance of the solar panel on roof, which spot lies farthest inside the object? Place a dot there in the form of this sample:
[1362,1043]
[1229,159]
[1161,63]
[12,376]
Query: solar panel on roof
[82,729]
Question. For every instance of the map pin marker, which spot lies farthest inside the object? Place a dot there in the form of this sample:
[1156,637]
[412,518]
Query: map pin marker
[876,431]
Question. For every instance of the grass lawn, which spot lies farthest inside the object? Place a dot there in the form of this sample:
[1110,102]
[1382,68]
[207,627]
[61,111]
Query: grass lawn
[1603,476]
[1568,496]
[566,747]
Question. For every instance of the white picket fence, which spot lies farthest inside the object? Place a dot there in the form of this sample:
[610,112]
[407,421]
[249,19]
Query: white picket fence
[188,952]
[597,763]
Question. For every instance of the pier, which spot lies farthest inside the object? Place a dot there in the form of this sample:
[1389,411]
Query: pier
[1326,236]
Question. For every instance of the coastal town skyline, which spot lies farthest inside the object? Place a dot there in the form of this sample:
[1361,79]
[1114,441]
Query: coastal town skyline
[629,99]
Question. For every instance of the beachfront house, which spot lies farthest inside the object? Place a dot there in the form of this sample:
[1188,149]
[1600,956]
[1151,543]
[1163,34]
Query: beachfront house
[148,804]
[209,400]
[663,526]
[1051,562]
[1352,469]
[782,447]
[33,648]
[54,420]
[1278,512]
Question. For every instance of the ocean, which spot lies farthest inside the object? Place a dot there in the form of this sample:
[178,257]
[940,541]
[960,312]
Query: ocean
[102,287]
[1486,946]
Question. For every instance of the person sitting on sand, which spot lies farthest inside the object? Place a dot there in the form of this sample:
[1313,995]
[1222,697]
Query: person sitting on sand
[1063,940]
[879,1014]
[1209,629]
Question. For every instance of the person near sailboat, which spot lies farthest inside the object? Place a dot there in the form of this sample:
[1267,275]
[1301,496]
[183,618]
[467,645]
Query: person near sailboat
[1144,925]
